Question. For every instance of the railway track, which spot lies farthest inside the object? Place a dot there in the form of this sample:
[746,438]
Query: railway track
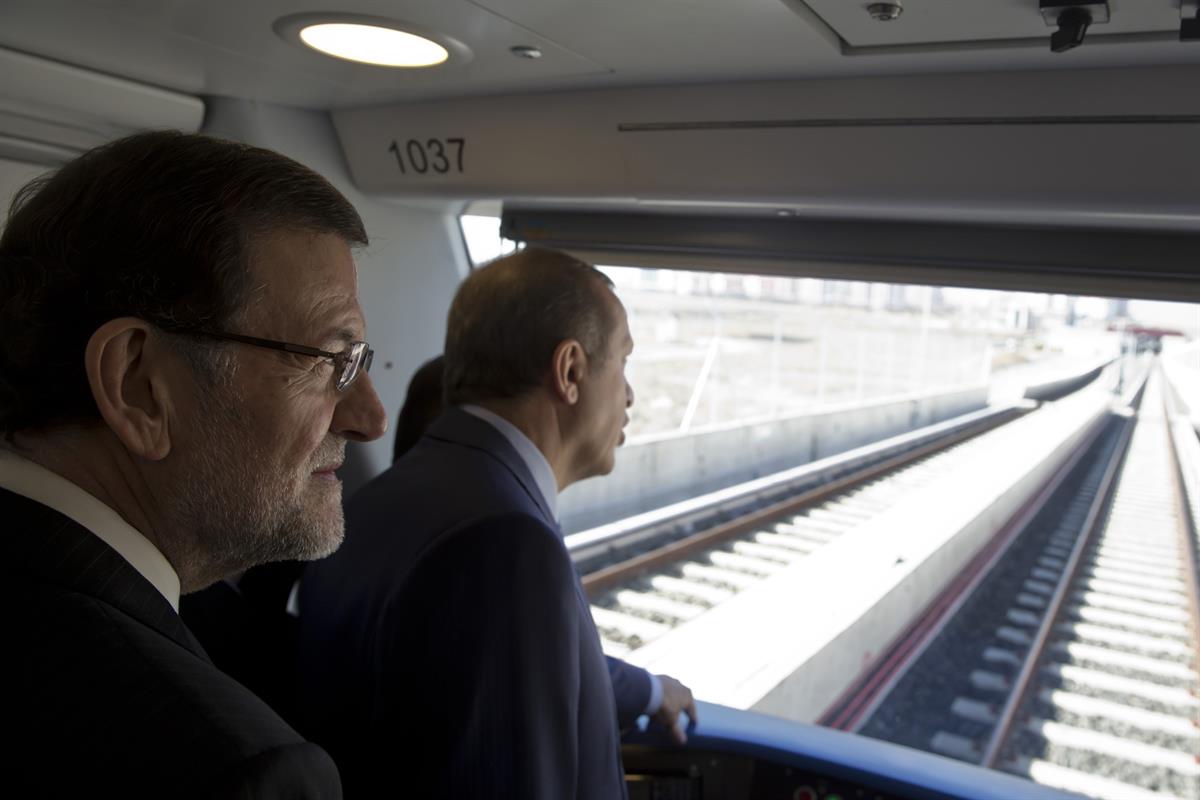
[638,600]
[1074,662]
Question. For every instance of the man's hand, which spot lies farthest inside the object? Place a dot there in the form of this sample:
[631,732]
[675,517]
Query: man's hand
[675,698]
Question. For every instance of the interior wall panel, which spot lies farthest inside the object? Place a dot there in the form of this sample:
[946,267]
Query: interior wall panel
[1023,148]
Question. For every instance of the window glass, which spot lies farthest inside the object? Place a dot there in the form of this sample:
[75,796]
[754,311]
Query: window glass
[847,610]
[482,235]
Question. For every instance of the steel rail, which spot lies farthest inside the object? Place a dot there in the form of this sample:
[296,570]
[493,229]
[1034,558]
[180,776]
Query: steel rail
[599,581]
[1187,524]
[858,703]
[1092,524]
[863,698]
[602,543]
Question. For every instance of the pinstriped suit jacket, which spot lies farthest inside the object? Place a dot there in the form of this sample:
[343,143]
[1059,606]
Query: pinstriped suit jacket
[113,695]
[448,646]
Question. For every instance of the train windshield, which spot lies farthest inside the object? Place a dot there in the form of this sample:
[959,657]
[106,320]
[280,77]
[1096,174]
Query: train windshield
[955,519]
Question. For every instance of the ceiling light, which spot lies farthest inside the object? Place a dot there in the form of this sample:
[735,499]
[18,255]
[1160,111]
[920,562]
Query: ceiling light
[885,12]
[371,44]
[371,40]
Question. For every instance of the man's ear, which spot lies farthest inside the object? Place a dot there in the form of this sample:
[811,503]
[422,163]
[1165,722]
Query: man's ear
[570,368]
[126,370]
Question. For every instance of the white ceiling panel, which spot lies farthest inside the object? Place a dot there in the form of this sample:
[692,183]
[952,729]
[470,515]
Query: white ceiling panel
[229,47]
[679,38]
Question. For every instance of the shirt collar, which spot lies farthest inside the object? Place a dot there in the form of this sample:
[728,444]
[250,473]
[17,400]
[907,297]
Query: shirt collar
[33,481]
[537,464]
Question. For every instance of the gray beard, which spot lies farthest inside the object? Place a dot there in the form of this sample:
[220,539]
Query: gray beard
[239,510]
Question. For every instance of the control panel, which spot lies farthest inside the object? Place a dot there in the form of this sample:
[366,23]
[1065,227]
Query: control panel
[656,774]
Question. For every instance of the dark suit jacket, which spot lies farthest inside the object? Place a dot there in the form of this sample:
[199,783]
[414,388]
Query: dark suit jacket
[251,638]
[631,690]
[248,633]
[114,697]
[448,646]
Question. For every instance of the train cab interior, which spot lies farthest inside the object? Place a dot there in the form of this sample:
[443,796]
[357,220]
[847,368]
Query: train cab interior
[819,159]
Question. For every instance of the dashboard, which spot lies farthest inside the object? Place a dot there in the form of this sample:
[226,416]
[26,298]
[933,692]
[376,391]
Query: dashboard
[656,774]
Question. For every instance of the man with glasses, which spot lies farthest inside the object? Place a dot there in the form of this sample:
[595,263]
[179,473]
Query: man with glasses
[181,365]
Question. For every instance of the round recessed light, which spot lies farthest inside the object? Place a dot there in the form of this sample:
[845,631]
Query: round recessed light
[525,51]
[885,12]
[370,44]
[371,40]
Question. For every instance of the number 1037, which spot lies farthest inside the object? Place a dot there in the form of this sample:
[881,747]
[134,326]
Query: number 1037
[438,156]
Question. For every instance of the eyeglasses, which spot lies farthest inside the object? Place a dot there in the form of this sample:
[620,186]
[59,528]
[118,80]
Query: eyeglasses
[349,363]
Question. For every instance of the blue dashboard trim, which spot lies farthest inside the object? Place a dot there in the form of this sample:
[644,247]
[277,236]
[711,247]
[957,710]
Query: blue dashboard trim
[885,766]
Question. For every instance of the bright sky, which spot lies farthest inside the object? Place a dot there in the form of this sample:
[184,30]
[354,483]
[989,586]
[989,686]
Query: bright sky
[484,243]
[1184,316]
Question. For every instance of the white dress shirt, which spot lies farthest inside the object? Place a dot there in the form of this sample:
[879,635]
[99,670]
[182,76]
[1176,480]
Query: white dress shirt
[33,481]
[547,484]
